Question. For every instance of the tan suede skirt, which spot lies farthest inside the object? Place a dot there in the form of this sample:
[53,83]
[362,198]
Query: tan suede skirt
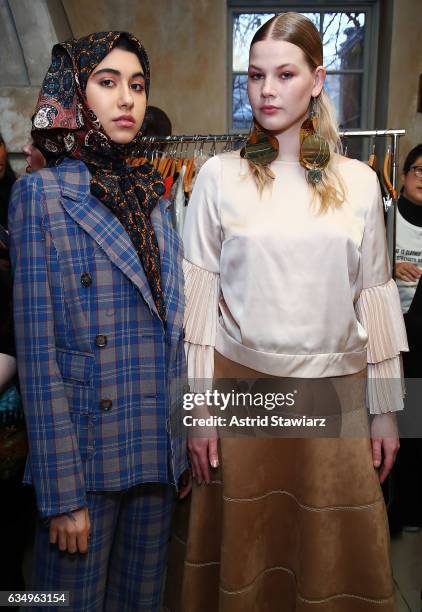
[287,524]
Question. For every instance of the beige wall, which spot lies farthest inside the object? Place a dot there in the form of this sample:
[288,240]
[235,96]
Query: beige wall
[405,68]
[185,40]
[186,43]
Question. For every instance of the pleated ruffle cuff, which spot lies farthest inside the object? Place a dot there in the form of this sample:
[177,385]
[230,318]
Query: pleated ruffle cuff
[202,289]
[385,386]
[378,310]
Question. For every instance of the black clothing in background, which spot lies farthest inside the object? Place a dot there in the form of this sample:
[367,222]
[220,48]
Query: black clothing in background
[7,342]
[412,213]
[17,507]
[6,184]
[406,506]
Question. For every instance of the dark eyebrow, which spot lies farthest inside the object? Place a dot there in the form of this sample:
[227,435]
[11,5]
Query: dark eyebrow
[278,67]
[117,73]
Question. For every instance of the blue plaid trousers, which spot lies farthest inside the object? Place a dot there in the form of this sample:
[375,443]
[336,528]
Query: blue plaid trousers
[124,567]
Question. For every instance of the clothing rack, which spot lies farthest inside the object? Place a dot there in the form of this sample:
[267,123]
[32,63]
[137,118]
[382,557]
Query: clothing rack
[394,136]
[243,136]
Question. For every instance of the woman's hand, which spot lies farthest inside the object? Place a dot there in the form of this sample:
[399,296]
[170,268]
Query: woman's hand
[407,271]
[385,443]
[71,531]
[185,484]
[203,453]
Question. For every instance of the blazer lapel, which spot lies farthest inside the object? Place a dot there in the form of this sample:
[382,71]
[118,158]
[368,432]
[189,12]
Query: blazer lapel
[173,297]
[100,223]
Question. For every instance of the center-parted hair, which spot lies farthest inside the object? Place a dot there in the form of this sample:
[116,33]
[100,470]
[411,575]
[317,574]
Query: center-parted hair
[300,31]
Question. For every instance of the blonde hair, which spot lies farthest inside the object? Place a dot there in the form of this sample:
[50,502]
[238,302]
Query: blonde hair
[297,29]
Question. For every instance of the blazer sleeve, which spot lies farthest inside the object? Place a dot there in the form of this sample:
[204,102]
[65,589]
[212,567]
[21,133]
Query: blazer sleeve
[202,246]
[379,312]
[54,459]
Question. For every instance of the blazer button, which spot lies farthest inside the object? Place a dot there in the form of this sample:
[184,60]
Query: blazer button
[100,340]
[106,404]
[86,279]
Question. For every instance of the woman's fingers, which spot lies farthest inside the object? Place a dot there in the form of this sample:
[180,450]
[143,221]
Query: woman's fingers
[213,452]
[376,451]
[195,466]
[88,521]
[71,531]
[405,276]
[407,271]
[390,447]
[387,465]
[193,470]
[185,484]
[385,442]
[72,545]
[202,454]
[204,465]
[82,539]
[62,539]
[53,534]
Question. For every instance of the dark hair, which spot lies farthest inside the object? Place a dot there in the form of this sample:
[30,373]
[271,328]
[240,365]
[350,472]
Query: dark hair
[6,184]
[412,156]
[9,175]
[127,45]
[156,122]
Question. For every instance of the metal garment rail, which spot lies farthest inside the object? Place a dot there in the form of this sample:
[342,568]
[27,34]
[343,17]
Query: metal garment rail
[394,135]
[225,137]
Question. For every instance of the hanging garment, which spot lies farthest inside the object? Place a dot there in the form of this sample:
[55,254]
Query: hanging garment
[178,199]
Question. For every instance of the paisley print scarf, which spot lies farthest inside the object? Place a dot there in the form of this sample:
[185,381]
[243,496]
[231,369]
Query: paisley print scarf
[64,126]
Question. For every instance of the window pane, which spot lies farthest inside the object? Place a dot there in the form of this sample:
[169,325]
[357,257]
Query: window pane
[242,112]
[343,36]
[345,91]
[343,39]
[244,27]
[314,17]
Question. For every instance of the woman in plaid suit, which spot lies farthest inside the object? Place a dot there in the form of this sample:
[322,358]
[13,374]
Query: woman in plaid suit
[98,302]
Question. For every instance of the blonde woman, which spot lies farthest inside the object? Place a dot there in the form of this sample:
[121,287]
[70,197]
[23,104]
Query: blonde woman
[288,280]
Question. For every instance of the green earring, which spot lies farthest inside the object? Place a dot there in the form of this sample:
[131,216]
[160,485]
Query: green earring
[314,149]
[261,148]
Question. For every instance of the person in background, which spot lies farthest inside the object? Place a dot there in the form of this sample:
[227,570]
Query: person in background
[406,506]
[156,122]
[34,158]
[7,178]
[17,503]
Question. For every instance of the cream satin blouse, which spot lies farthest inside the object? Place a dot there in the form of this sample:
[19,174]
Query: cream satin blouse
[277,287]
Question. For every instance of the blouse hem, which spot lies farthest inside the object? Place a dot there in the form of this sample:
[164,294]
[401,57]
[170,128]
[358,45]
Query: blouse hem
[301,366]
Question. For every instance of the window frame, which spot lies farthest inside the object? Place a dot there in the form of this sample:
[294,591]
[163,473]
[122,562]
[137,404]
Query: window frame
[370,55]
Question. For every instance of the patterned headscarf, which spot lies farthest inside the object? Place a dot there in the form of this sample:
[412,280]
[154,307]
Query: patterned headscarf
[64,126]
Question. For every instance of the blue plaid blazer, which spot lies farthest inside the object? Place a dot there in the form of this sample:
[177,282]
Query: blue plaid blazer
[102,378]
